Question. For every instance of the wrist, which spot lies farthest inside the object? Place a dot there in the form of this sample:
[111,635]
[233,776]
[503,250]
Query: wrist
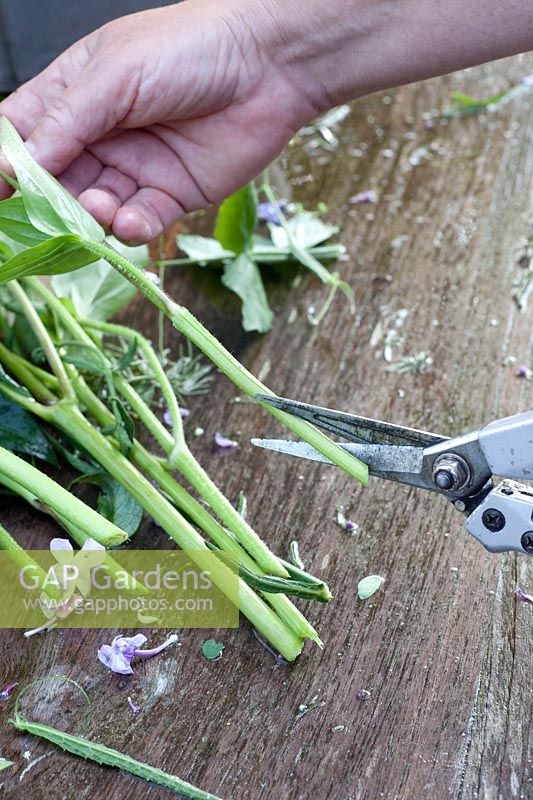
[339,50]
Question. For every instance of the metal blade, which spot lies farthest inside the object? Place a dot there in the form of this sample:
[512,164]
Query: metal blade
[352,427]
[402,464]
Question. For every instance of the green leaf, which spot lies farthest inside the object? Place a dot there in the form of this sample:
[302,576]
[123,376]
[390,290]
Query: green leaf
[97,291]
[127,359]
[15,223]
[49,206]
[85,358]
[115,503]
[123,429]
[212,650]
[53,256]
[20,433]
[237,219]
[203,249]
[4,764]
[242,276]
[307,229]
[368,586]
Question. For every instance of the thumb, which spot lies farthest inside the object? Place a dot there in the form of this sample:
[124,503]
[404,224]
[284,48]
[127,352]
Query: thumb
[79,117]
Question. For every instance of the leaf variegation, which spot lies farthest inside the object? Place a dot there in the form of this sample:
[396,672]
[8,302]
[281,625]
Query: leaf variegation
[50,208]
[53,256]
[243,277]
[237,219]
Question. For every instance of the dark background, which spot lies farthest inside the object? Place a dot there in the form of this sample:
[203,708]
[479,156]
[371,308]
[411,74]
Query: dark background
[34,32]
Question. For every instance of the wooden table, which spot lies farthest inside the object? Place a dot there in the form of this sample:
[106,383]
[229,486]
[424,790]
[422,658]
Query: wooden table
[444,649]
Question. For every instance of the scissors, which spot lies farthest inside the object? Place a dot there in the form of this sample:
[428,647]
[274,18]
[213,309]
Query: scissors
[461,469]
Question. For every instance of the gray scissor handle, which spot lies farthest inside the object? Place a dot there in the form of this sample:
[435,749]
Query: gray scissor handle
[504,519]
[508,446]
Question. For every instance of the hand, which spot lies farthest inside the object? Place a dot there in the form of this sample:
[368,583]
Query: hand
[157,114]
[170,110]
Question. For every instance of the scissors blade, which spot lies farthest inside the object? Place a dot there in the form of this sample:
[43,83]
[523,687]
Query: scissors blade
[351,427]
[399,463]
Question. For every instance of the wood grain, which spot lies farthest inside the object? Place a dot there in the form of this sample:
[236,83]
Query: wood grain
[444,649]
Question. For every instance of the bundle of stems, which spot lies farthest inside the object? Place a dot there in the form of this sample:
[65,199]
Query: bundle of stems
[60,236]
[64,399]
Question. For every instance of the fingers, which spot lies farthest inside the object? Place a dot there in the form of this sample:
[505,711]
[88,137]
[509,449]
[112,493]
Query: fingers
[73,121]
[107,194]
[145,215]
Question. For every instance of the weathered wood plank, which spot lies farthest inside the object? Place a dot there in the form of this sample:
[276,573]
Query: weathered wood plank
[444,649]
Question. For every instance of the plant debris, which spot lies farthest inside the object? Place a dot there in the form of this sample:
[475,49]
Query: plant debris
[118,655]
[527,598]
[369,586]
[346,524]
[212,649]
[305,708]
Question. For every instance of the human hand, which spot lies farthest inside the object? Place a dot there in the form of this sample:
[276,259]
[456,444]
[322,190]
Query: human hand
[157,114]
[169,110]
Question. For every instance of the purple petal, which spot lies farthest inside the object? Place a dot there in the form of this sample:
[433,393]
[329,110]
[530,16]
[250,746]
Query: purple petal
[269,212]
[133,707]
[527,80]
[128,644]
[364,197]
[115,661]
[524,372]
[167,416]
[527,598]
[223,441]
[4,694]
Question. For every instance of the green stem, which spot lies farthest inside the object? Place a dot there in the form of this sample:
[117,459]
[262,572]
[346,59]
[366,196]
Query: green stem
[159,373]
[58,499]
[195,511]
[187,324]
[36,324]
[71,421]
[265,255]
[23,372]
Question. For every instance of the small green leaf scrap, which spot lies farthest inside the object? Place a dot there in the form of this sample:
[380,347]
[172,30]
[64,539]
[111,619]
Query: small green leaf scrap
[212,649]
[369,586]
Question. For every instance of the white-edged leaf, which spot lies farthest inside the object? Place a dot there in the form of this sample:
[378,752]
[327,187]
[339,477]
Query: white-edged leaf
[50,208]
[4,763]
[242,276]
[308,231]
[368,586]
[203,248]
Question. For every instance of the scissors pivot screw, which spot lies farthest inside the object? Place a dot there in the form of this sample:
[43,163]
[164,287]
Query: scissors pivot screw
[527,541]
[450,472]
